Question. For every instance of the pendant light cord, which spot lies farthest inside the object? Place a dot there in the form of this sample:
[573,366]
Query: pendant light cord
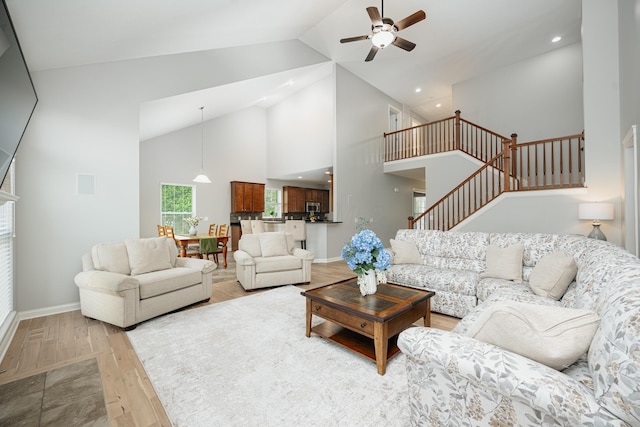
[202,139]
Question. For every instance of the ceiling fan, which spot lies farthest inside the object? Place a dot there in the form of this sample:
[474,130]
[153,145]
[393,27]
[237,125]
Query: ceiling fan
[383,31]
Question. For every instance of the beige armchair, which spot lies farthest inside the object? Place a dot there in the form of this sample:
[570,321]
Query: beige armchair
[271,259]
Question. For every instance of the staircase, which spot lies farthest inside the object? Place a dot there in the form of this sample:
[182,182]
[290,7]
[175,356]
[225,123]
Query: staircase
[508,165]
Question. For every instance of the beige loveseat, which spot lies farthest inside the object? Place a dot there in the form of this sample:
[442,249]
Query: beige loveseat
[271,259]
[126,283]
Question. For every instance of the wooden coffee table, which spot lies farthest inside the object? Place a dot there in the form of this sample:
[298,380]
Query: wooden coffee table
[367,325]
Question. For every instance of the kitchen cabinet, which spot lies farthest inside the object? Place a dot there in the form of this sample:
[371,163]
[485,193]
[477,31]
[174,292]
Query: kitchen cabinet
[247,196]
[325,205]
[294,199]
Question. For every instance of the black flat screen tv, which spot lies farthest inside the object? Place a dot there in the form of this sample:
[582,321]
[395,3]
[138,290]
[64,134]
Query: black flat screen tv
[17,95]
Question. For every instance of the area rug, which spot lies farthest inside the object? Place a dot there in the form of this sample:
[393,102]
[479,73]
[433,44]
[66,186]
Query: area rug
[247,362]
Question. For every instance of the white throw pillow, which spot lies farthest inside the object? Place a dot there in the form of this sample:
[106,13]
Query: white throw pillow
[273,244]
[111,257]
[504,263]
[146,255]
[554,336]
[405,252]
[552,275]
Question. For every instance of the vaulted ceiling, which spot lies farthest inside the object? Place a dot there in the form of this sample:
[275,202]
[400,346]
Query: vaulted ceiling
[458,40]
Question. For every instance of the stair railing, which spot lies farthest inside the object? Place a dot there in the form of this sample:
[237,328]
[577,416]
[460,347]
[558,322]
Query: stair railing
[452,133]
[545,164]
[475,192]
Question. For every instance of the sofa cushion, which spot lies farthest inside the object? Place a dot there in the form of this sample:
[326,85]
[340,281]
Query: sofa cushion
[463,251]
[163,281]
[554,336]
[552,275]
[405,252]
[434,279]
[277,263]
[146,255]
[111,257]
[273,244]
[250,243]
[490,285]
[504,263]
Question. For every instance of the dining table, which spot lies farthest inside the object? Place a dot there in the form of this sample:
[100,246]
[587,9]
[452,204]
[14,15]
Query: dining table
[184,241]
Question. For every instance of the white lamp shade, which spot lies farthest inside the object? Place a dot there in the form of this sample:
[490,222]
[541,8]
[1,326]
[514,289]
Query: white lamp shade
[202,178]
[595,211]
[383,39]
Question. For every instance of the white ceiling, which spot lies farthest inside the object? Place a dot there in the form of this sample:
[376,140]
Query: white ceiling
[459,39]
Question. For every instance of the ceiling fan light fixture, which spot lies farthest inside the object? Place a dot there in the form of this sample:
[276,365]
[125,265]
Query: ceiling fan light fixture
[383,38]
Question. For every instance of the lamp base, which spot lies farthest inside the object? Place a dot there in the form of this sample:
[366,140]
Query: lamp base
[596,233]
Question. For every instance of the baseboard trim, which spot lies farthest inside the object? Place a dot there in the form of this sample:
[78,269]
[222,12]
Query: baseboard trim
[326,260]
[47,311]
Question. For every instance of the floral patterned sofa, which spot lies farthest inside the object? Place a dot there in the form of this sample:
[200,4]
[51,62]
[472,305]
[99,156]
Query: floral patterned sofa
[458,380]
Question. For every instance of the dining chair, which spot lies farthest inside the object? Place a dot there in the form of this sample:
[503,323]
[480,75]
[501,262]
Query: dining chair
[257,226]
[223,231]
[161,231]
[170,235]
[245,226]
[213,229]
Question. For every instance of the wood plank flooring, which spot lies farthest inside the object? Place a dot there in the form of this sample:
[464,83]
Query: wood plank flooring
[50,342]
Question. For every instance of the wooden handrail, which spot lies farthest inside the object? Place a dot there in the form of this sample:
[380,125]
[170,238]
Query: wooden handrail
[466,198]
[535,165]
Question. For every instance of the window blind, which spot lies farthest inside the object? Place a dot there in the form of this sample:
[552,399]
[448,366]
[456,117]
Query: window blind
[6,260]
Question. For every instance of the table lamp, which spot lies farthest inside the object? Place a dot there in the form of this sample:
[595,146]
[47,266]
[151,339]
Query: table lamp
[596,212]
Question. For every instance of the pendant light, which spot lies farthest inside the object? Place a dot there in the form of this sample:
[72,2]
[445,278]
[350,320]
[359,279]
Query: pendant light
[202,178]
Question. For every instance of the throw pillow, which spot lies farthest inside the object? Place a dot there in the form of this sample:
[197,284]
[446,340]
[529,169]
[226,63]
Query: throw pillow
[405,252]
[504,263]
[111,257]
[273,244]
[147,255]
[552,335]
[552,275]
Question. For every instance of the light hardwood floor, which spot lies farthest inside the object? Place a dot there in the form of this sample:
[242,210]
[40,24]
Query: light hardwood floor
[49,342]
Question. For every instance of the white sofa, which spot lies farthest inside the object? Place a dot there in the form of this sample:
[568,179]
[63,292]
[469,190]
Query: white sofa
[271,259]
[126,283]
[499,378]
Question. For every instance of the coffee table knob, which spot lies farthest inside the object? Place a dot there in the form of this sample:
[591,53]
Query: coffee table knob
[362,325]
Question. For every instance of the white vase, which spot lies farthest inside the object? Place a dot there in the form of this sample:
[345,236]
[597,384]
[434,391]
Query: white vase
[368,283]
[192,231]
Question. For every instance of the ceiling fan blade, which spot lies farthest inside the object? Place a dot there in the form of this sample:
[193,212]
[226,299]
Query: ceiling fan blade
[410,20]
[372,53]
[353,39]
[404,44]
[376,19]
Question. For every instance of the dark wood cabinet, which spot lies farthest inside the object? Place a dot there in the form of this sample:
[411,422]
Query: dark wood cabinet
[294,199]
[247,196]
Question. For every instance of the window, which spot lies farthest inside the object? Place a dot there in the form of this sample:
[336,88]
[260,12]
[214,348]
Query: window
[6,252]
[178,202]
[272,203]
[419,202]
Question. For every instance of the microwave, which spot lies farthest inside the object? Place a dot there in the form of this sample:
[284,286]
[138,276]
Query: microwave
[312,207]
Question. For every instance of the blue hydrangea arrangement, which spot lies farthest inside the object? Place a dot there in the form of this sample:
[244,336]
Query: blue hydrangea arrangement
[365,252]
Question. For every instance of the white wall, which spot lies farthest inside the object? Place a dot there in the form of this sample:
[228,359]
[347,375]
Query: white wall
[234,150]
[87,121]
[538,98]
[361,187]
[301,131]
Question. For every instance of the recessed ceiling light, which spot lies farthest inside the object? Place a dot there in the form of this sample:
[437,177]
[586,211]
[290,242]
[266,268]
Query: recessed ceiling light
[438,105]
[327,172]
[556,39]
[418,90]
[299,177]
[329,181]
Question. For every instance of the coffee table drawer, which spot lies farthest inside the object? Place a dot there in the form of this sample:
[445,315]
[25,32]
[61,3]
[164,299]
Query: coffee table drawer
[345,319]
